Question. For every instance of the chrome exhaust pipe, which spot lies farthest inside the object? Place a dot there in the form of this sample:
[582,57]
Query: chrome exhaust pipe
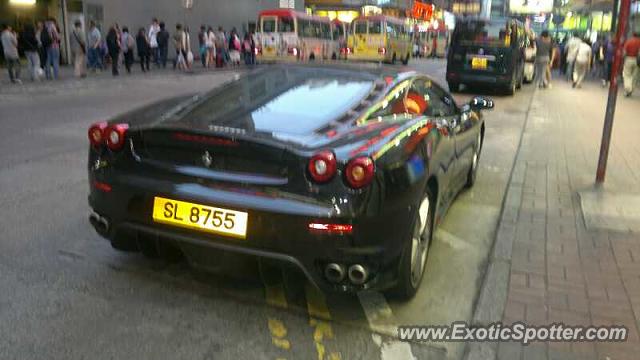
[100,223]
[358,274]
[334,272]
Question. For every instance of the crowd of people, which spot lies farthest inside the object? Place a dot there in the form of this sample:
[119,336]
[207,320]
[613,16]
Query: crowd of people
[576,58]
[93,51]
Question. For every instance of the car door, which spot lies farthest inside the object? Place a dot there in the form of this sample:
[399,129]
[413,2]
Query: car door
[440,111]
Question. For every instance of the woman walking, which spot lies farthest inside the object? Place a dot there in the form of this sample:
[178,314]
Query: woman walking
[30,45]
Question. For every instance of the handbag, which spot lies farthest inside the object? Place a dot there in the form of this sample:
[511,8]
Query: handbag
[189,57]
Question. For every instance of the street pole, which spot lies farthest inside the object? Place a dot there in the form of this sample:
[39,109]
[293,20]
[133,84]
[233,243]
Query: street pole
[613,92]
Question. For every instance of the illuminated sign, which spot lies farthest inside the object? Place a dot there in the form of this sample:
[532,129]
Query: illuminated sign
[22,2]
[530,6]
[465,8]
[422,11]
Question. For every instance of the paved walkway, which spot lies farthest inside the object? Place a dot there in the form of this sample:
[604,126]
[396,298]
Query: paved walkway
[563,269]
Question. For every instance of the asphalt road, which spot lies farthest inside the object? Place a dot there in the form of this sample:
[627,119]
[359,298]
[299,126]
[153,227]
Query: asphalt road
[66,294]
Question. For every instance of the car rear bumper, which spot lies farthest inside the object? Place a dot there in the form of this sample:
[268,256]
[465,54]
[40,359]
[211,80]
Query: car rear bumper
[478,78]
[277,229]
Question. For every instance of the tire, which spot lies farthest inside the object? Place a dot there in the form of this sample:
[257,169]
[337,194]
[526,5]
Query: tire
[473,169]
[393,59]
[312,57]
[406,60]
[520,81]
[454,87]
[414,258]
[334,56]
[511,88]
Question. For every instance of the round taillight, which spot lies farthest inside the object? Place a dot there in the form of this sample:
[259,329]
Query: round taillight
[96,133]
[359,172]
[322,166]
[116,136]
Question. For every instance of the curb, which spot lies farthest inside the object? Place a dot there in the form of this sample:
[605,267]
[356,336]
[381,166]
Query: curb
[492,300]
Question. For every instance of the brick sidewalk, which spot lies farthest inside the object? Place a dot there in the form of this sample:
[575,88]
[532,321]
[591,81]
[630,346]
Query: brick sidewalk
[560,270]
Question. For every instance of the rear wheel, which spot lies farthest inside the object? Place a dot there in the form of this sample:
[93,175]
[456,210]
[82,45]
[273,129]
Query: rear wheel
[393,59]
[406,60]
[312,57]
[415,252]
[512,87]
[453,86]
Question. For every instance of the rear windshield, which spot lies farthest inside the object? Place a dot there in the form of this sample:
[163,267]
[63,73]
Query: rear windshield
[281,101]
[495,34]
[375,27]
[360,27]
[285,24]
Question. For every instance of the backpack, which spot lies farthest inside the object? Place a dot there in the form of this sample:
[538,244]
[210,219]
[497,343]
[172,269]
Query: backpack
[45,38]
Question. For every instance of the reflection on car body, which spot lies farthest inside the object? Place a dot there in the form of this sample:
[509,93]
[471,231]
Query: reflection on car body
[342,172]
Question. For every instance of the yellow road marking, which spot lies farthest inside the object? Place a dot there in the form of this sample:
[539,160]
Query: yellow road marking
[316,303]
[319,320]
[276,295]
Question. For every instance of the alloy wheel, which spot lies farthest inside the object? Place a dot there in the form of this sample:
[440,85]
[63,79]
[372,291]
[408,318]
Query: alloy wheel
[420,242]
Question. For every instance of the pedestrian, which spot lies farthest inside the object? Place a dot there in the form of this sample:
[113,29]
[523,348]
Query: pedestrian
[572,50]
[42,52]
[163,45]
[29,43]
[543,51]
[178,43]
[50,38]
[78,42]
[222,53]
[94,40]
[186,45]
[631,63]
[609,54]
[234,48]
[10,46]
[154,47]
[553,58]
[247,49]
[113,46]
[210,43]
[202,45]
[582,63]
[144,50]
[127,44]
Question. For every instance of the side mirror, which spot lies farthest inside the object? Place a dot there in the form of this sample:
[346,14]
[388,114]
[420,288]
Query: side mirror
[481,103]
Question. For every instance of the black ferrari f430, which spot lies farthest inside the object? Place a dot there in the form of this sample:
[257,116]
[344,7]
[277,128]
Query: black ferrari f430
[342,172]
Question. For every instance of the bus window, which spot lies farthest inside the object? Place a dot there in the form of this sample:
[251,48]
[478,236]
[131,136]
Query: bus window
[391,31]
[316,30]
[375,27]
[286,25]
[338,31]
[326,30]
[304,29]
[360,27]
[268,25]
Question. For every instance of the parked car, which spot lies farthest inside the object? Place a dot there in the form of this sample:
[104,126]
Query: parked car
[342,172]
[488,52]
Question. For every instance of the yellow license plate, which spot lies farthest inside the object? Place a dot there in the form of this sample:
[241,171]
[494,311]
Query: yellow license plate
[200,217]
[479,63]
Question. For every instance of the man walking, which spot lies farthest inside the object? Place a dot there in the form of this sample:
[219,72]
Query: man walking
[582,63]
[572,51]
[162,39]
[543,52]
[154,29]
[79,50]
[127,44]
[631,63]
[30,45]
[10,46]
[94,41]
